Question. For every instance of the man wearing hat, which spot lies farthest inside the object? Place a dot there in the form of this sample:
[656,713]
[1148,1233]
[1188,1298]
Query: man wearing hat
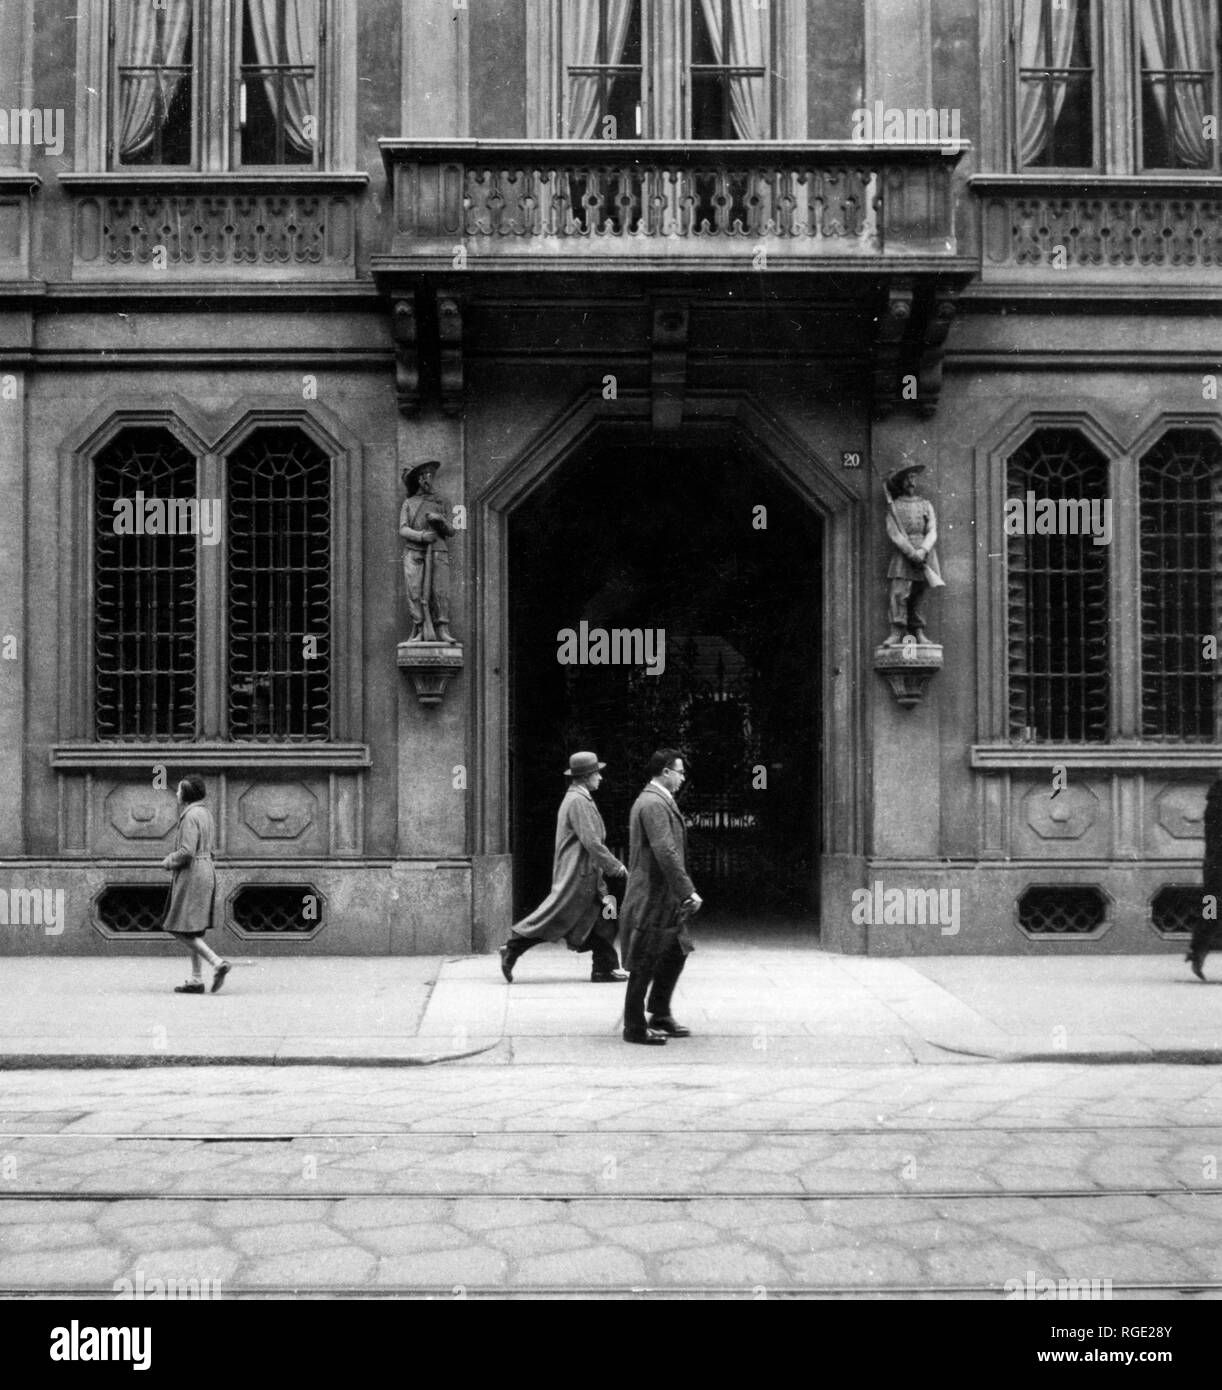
[913,529]
[424,525]
[577,908]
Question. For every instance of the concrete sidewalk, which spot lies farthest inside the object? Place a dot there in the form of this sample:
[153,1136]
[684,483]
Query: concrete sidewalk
[748,1001]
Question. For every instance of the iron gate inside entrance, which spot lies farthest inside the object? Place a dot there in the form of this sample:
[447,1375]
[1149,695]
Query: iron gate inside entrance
[719,555]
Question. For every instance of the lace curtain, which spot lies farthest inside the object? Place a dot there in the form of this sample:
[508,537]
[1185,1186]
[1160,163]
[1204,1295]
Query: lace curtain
[582,21]
[149,38]
[1182,43]
[286,34]
[748,49]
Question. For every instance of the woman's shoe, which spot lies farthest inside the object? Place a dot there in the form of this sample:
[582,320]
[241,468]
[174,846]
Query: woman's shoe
[1196,962]
[191,987]
[218,975]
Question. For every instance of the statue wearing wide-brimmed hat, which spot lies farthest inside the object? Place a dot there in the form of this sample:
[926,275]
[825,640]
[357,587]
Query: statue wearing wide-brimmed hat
[912,526]
[425,526]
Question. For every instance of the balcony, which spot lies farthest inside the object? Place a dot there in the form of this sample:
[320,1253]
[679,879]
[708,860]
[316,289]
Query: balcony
[1155,235]
[862,234]
[635,206]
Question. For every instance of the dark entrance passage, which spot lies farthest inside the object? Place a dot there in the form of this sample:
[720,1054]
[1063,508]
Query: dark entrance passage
[648,539]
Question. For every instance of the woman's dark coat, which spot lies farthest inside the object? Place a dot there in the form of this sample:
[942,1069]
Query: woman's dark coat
[192,908]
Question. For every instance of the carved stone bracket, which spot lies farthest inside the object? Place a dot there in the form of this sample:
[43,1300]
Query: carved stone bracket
[427,328]
[430,666]
[450,351]
[893,324]
[909,346]
[908,669]
[669,365]
[933,344]
[405,331]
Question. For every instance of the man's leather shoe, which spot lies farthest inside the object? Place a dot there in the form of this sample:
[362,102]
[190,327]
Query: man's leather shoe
[506,964]
[644,1035]
[608,977]
[668,1025]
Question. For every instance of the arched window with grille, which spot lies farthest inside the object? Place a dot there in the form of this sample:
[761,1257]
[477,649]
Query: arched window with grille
[1057,598]
[1180,486]
[279,587]
[145,586]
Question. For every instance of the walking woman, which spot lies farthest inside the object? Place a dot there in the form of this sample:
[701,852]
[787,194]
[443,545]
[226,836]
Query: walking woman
[192,908]
[1205,932]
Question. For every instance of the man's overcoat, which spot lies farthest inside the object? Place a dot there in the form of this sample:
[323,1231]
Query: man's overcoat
[573,909]
[651,916]
[192,906]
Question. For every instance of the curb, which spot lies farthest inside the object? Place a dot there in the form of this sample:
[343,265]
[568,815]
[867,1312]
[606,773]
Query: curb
[95,1061]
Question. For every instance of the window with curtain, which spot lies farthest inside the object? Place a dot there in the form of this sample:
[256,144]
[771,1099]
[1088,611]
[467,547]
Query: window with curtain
[278,118]
[1179,61]
[603,45]
[1180,485]
[154,88]
[144,621]
[1056,84]
[1057,600]
[267,56]
[729,87]
[279,529]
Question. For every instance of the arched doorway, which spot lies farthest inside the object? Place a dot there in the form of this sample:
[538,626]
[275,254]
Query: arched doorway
[712,547]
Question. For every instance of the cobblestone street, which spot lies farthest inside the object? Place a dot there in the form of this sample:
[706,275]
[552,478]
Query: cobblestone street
[478,1178]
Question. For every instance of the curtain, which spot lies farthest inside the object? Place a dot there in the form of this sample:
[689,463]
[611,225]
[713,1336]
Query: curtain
[1186,46]
[581,26]
[295,45]
[138,105]
[748,49]
[1035,122]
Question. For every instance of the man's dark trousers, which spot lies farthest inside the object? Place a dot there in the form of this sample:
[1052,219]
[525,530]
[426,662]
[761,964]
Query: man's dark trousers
[657,978]
[606,959]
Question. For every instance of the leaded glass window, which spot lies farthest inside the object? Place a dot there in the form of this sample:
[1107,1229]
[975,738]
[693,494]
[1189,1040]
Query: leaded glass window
[1180,483]
[1058,598]
[144,629]
[279,587]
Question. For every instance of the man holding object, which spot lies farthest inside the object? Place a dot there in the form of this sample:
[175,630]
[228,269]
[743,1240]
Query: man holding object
[658,903]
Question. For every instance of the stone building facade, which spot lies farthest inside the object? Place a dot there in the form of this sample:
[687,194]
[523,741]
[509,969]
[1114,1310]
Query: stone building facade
[667,288]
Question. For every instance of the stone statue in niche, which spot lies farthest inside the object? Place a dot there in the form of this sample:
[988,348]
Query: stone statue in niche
[912,526]
[424,524]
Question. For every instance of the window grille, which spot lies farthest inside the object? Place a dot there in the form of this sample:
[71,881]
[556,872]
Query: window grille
[278,910]
[279,588]
[1178,47]
[1175,911]
[1057,598]
[144,594]
[1180,483]
[1061,911]
[278,107]
[1055,117]
[133,909]
[154,63]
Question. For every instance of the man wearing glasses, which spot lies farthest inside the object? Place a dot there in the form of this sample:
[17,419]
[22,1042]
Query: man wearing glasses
[658,903]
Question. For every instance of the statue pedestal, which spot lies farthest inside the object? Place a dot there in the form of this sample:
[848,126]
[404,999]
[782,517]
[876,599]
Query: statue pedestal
[908,669]
[431,666]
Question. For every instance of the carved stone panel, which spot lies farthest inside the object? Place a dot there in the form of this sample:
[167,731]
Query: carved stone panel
[136,812]
[278,812]
[1073,823]
[1176,811]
